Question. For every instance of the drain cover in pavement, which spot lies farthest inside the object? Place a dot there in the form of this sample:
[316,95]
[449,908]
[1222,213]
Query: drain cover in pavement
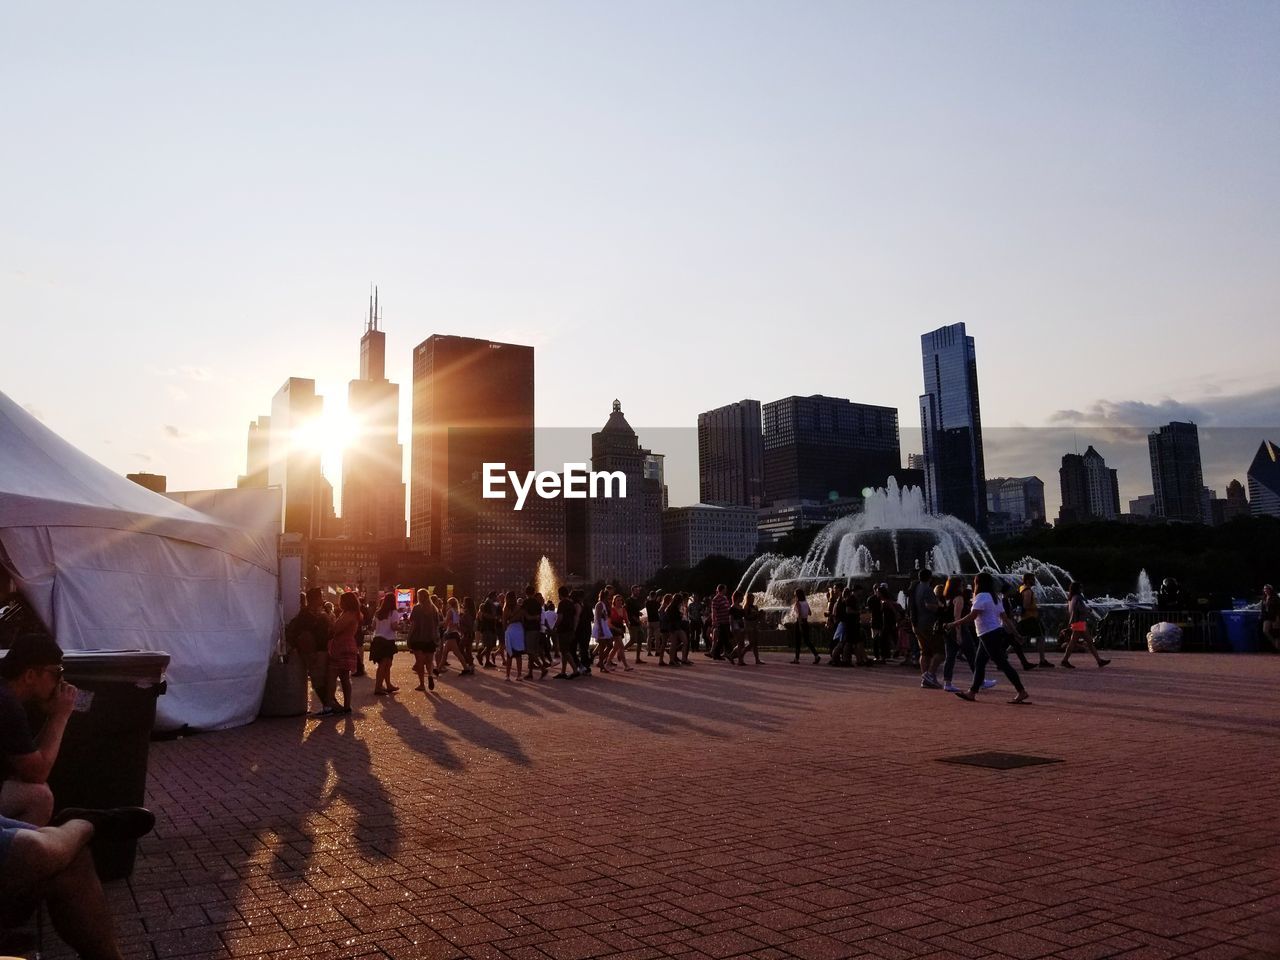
[999,761]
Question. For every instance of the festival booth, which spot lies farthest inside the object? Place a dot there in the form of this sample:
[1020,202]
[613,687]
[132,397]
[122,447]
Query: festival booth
[108,565]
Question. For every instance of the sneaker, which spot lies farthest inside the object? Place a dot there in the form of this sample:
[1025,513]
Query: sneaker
[929,683]
[988,684]
[118,823]
[950,688]
[324,712]
[1103,663]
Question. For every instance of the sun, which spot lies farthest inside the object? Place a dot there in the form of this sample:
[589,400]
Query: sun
[330,435]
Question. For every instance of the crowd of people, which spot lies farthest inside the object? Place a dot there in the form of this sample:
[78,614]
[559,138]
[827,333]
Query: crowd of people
[977,621]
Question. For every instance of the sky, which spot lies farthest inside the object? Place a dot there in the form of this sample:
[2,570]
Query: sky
[678,204]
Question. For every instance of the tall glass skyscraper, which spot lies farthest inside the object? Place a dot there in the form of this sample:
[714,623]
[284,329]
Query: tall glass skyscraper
[1175,472]
[951,424]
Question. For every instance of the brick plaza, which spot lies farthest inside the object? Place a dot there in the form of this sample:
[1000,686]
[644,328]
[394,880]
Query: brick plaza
[722,811]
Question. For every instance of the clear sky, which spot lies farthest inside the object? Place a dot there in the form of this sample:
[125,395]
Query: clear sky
[679,204]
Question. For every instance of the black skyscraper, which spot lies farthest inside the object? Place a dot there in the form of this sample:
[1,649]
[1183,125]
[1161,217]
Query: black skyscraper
[827,448]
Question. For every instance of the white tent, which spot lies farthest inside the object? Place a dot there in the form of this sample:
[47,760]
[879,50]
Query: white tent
[109,565]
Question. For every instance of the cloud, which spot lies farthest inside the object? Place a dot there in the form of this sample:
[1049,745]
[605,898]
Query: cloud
[174,432]
[1128,413]
[142,456]
[176,393]
[1256,408]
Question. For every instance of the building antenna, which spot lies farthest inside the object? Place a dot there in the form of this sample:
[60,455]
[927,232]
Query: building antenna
[377,314]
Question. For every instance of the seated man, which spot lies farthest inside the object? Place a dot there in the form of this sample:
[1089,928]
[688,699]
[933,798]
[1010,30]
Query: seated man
[31,674]
[53,864]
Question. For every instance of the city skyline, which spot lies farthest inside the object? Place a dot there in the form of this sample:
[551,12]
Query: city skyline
[786,201]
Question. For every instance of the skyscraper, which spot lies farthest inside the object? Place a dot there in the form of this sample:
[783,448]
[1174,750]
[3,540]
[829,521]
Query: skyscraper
[472,404]
[1090,489]
[1264,481]
[1018,500]
[372,484]
[731,455]
[825,448]
[1175,472]
[257,453]
[951,425]
[623,534]
[293,459]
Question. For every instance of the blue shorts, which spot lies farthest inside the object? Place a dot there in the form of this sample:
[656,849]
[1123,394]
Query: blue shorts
[7,830]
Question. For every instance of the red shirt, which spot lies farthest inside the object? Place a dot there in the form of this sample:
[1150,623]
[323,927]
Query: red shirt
[720,605]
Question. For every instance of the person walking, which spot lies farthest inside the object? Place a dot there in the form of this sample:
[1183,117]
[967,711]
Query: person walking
[693,610]
[513,634]
[382,648]
[488,625]
[563,626]
[922,610]
[1077,614]
[718,641]
[994,628]
[800,612]
[424,637]
[1030,627]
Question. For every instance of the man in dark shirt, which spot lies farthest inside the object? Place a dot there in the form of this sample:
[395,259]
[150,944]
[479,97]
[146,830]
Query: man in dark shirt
[308,633]
[31,675]
[566,621]
[53,863]
[534,642]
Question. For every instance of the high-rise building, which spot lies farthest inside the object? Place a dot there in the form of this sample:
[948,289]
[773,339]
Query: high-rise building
[1236,503]
[691,534]
[1019,501]
[731,455]
[915,461]
[951,426]
[623,534]
[472,404]
[372,479]
[1264,481]
[1143,506]
[826,448]
[1175,472]
[489,545]
[293,458]
[1090,489]
[257,454]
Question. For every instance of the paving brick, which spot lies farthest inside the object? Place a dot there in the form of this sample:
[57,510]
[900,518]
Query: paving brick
[720,812]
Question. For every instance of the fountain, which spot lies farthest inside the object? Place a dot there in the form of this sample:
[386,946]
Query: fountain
[893,536]
[545,580]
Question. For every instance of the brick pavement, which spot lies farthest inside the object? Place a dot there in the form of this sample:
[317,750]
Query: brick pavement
[778,811]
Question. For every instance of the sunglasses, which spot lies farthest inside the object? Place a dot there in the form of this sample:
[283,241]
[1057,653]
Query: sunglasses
[56,671]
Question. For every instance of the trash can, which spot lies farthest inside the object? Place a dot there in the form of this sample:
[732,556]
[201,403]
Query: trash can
[103,758]
[1242,629]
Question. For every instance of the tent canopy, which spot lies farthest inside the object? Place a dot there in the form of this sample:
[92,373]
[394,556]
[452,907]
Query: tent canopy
[108,564]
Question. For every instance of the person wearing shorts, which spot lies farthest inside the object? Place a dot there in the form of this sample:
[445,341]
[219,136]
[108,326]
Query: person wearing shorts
[923,607]
[53,864]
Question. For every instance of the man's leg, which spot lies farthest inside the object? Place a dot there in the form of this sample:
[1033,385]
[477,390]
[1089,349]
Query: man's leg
[54,863]
[28,802]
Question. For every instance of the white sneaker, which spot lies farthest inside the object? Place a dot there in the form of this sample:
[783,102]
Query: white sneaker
[988,684]
[950,688]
